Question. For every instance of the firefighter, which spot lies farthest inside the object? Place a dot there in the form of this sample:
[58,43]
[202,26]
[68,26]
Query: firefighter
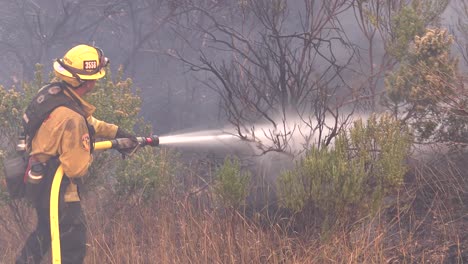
[64,136]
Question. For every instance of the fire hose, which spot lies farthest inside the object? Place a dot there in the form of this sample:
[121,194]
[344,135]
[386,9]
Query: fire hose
[119,143]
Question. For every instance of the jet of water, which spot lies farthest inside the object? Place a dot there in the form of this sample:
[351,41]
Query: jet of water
[196,138]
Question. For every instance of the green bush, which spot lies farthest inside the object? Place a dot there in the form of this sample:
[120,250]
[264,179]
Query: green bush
[146,175]
[426,90]
[12,103]
[116,102]
[364,165]
[406,24]
[231,184]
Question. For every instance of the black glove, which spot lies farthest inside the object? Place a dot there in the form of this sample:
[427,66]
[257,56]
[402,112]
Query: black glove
[124,134]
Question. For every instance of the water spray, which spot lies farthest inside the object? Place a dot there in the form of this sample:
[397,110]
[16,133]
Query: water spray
[202,137]
[195,138]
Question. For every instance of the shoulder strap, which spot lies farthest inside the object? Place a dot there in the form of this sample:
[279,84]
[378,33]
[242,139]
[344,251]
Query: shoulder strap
[46,100]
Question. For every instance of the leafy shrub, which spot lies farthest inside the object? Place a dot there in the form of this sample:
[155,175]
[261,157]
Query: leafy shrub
[12,103]
[426,90]
[364,165]
[231,184]
[116,102]
[147,174]
[406,24]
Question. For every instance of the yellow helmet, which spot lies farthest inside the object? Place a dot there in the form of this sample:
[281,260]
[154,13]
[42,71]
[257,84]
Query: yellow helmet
[81,63]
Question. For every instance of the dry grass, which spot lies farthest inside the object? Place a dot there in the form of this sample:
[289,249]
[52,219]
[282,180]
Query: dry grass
[421,225]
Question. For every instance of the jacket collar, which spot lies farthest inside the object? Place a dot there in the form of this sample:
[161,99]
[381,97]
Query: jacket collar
[85,106]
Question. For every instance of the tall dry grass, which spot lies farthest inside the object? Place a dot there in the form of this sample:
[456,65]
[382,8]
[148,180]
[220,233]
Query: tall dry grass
[426,222]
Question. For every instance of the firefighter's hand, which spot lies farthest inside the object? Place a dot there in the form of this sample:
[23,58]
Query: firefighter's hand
[124,134]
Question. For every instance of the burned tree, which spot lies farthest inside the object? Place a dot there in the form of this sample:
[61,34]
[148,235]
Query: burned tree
[280,69]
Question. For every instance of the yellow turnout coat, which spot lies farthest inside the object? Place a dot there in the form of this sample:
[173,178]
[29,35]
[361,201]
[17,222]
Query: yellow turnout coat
[65,134]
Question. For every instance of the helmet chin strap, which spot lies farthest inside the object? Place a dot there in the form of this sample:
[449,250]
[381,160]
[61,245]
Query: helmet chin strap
[75,87]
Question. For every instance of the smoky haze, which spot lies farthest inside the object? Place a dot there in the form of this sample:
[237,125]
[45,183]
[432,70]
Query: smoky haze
[148,38]
[261,80]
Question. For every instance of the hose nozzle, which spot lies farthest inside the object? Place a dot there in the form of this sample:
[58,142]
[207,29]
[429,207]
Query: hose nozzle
[148,141]
[127,143]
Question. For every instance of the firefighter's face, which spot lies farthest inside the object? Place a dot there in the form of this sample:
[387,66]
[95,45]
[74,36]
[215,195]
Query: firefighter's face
[89,86]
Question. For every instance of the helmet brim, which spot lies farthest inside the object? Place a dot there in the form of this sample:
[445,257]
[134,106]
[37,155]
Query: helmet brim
[60,70]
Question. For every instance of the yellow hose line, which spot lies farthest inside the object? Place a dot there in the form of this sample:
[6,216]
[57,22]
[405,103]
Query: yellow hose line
[54,221]
[101,145]
[54,202]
